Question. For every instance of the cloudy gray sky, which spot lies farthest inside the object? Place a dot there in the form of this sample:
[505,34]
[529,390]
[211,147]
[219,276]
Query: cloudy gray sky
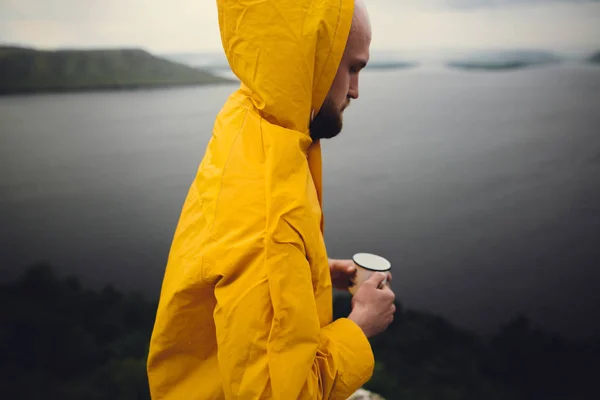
[191,25]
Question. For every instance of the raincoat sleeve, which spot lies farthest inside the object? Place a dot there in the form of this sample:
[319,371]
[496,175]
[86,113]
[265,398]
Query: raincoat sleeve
[270,341]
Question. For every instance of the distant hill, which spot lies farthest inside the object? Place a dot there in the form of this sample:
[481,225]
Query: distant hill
[491,66]
[503,60]
[383,65]
[595,58]
[24,70]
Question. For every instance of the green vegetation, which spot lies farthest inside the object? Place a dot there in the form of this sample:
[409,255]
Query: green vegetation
[26,71]
[61,341]
[424,357]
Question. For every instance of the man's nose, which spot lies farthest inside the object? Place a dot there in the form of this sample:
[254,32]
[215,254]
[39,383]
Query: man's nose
[353,89]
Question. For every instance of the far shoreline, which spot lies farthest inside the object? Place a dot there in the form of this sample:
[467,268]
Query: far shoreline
[5,92]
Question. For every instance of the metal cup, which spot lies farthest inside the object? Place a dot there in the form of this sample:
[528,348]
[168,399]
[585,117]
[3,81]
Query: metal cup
[366,265]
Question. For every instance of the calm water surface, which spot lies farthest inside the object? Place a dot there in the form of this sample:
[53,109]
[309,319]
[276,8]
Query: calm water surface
[483,189]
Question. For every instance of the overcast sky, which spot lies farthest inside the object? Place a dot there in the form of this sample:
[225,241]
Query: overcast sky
[191,25]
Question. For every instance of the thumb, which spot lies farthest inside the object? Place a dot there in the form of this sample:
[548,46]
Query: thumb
[376,279]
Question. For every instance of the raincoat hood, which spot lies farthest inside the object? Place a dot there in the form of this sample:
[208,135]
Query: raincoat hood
[285,53]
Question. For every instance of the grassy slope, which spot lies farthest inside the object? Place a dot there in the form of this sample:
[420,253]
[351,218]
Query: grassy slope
[28,70]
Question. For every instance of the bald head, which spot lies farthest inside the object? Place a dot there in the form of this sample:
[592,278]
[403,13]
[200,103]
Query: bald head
[361,23]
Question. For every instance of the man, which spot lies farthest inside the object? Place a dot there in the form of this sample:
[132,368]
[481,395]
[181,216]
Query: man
[246,304]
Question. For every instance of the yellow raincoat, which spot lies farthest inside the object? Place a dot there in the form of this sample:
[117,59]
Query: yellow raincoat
[246,305]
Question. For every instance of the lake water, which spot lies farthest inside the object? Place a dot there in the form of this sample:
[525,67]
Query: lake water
[483,189]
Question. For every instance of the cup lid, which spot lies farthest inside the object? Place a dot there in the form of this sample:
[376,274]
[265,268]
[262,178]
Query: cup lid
[372,262]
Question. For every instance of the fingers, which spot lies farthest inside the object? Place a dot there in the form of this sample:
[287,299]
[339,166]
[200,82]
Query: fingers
[342,265]
[385,286]
[376,279]
[390,296]
[389,315]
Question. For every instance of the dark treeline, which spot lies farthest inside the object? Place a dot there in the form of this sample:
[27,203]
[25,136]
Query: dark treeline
[424,357]
[62,341]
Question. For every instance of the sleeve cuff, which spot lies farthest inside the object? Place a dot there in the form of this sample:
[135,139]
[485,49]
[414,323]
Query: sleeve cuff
[354,356]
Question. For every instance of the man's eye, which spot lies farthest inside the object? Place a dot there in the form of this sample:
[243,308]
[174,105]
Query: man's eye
[355,69]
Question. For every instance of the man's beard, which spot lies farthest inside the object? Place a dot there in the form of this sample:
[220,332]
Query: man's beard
[327,123]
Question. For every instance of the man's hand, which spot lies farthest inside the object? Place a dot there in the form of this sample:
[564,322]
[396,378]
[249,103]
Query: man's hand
[342,273]
[373,308]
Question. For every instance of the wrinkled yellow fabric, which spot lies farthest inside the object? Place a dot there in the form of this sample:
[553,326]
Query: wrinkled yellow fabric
[245,310]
